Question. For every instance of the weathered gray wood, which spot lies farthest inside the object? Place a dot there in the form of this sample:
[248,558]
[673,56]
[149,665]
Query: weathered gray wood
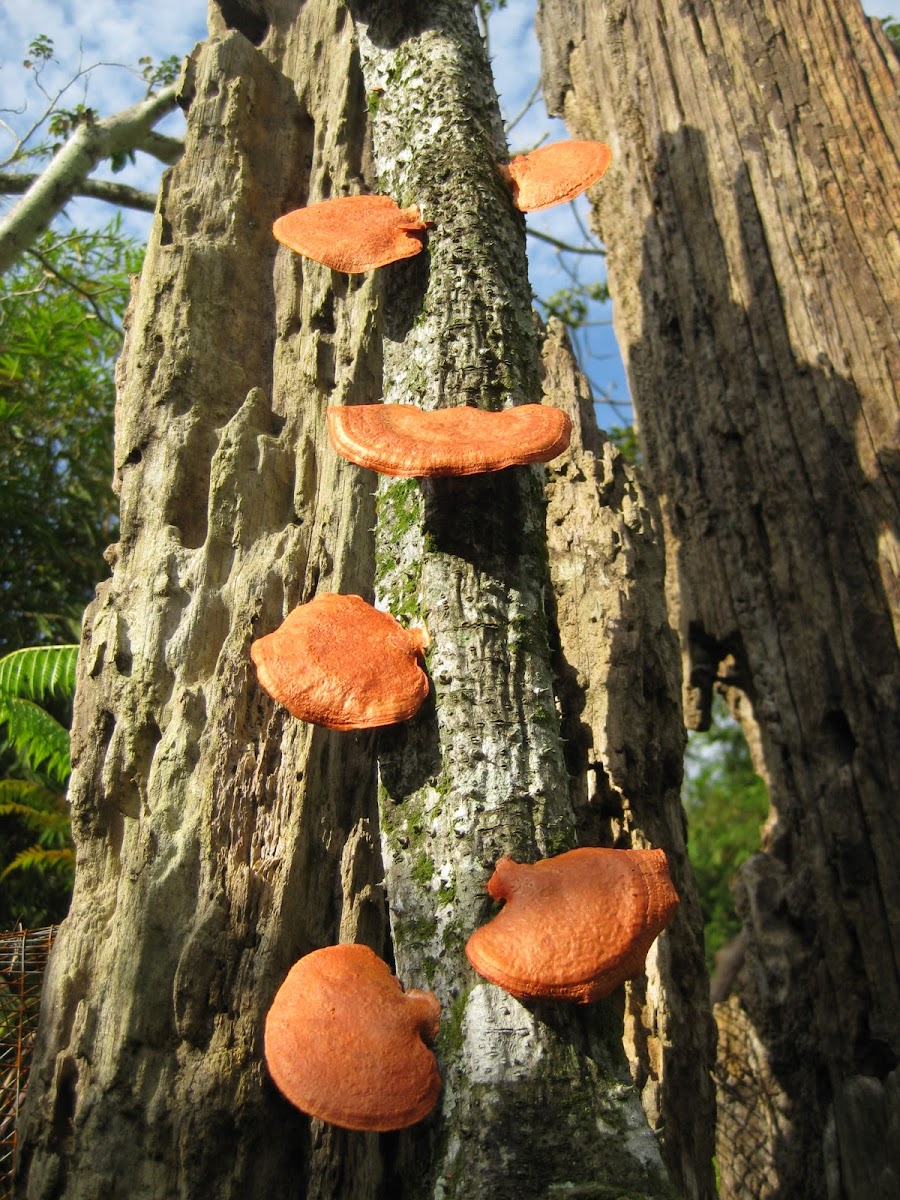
[218,839]
[750,216]
[619,689]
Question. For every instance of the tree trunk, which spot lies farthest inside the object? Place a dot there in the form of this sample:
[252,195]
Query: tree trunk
[218,838]
[619,687]
[750,216]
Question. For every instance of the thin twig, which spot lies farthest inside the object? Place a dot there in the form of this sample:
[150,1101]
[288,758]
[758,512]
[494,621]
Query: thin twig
[95,189]
[561,245]
[75,287]
[535,92]
[586,233]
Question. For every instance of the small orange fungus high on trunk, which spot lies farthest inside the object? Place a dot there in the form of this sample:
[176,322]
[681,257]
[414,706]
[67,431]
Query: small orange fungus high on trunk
[341,663]
[353,233]
[576,926]
[344,1042]
[400,439]
[556,173]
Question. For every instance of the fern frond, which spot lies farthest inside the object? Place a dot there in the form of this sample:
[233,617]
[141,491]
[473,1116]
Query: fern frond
[37,858]
[50,826]
[31,816]
[37,736]
[38,672]
[33,796]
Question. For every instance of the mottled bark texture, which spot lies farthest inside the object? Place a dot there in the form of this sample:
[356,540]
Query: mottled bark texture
[750,216]
[219,839]
[616,661]
[536,1097]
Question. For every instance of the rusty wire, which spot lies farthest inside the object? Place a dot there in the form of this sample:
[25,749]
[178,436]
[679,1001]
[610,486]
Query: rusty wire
[23,958]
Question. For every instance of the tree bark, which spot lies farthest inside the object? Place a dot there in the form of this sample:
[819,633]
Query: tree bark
[480,772]
[750,217]
[619,689]
[219,839]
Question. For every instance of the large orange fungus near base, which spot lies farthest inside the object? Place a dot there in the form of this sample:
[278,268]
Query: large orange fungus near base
[400,439]
[575,926]
[344,1042]
[353,233]
[556,173]
[341,663]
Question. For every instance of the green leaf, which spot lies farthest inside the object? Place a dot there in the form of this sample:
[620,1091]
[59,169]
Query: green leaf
[37,858]
[160,74]
[26,799]
[120,160]
[41,47]
[625,438]
[37,736]
[38,672]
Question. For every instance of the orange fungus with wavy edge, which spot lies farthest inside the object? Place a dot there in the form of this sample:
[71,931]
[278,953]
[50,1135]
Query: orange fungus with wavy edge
[345,1043]
[353,233]
[402,440]
[556,173]
[575,926]
[337,661]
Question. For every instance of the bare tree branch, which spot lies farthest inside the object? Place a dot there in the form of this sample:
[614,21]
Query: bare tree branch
[167,149]
[91,142]
[560,245]
[53,105]
[511,124]
[96,189]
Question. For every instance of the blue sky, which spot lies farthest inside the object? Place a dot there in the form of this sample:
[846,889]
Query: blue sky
[108,31]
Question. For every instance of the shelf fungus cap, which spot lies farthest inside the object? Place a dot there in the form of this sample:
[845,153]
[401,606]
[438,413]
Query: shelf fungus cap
[344,1042]
[341,663]
[575,926]
[400,439]
[353,233]
[556,173]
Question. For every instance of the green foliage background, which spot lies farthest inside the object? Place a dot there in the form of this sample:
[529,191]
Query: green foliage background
[36,853]
[60,330]
[726,804]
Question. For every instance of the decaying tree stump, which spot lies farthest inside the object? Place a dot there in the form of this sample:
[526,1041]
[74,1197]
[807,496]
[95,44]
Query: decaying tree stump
[218,838]
[750,216]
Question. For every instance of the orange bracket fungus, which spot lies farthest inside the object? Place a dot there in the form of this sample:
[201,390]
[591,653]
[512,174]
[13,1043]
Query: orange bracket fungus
[576,926]
[400,439]
[556,173]
[353,233]
[341,663]
[344,1042]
